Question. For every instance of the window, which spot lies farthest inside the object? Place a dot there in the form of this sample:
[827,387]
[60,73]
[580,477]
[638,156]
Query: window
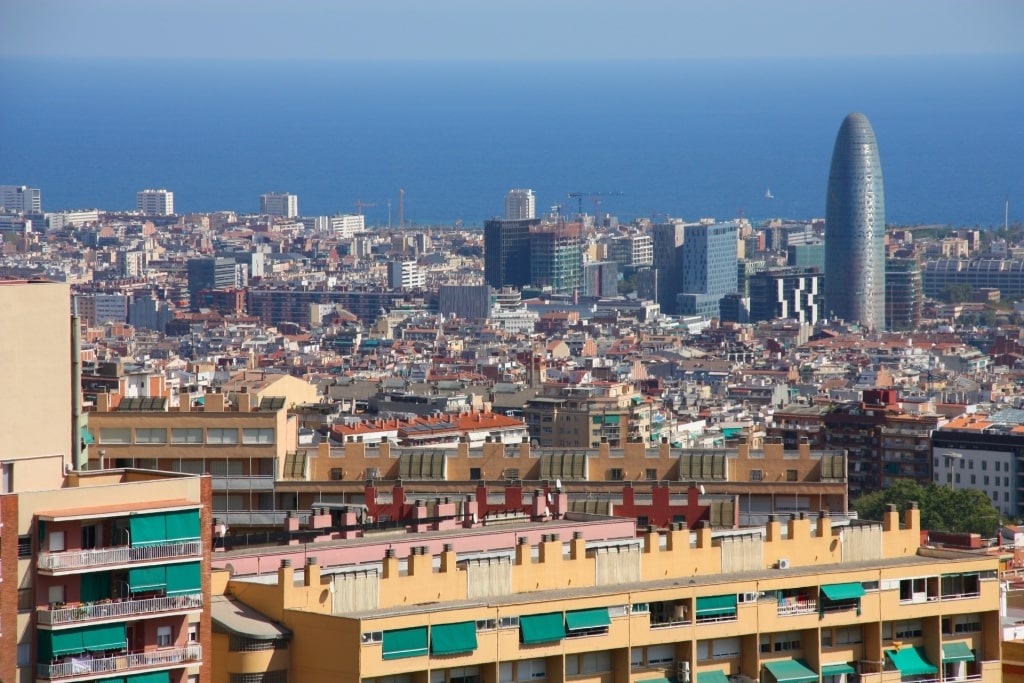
[262,677]
[974,480]
[7,471]
[55,541]
[187,436]
[791,475]
[373,637]
[643,521]
[475,473]
[150,436]
[505,673]
[258,436]
[55,594]
[756,475]
[913,590]
[661,654]
[531,669]
[651,474]
[985,480]
[640,608]
[826,637]
[193,633]
[907,629]
[722,648]
[26,599]
[220,436]
[984,465]
[486,624]
[848,635]
[636,658]
[244,644]
[508,622]
[163,636]
[616,474]
[24,654]
[24,546]
[786,643]
[109,435]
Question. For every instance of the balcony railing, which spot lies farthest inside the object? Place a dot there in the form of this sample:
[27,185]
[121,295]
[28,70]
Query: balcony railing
[258,517]
[113,610]
[98,557]
[960,596]
[797,607]
[252,482]
[85,666]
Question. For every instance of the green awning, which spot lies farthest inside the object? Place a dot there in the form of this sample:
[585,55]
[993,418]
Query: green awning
[181,525]
[151,677]
[791,671]
[453,639]
[67,642]
[714,676]
[611,419]
[147,578]
[87,438]
[911,661]
[95,586]
[843,591]
[541,628]
[105,637]
[183,579]
[587,618]
[837,669]
[147,529]
[716,605]
[405,642]
[957,652]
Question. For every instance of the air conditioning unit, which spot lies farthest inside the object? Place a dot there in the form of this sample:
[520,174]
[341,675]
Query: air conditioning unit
[784,563]
[511,473]
[683,672]
[372,474]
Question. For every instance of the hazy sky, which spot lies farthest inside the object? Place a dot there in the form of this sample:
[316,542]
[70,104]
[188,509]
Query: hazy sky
[508,29]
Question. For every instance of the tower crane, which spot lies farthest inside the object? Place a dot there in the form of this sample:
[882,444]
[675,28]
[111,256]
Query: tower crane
[360,205]
[578,196]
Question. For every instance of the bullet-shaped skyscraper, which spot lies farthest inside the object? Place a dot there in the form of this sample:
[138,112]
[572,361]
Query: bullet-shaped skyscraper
[855,228]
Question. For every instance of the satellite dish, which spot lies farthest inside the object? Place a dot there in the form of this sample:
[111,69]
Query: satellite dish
[702,489]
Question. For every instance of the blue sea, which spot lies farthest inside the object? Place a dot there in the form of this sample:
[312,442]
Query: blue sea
[689,138]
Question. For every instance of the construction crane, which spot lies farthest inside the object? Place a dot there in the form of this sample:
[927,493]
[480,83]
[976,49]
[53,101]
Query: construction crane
[360,205]
[578,196]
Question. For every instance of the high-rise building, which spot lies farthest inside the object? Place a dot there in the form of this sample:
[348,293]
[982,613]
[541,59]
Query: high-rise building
[786,293]
[20,199]
[556,258]
[709,268]
[632,250]
[279,204]
[904,297]
[667,245]
[520,204]
[209,273]
[600,278]
[507,252]
[155,202]
[855,227]
[405,275]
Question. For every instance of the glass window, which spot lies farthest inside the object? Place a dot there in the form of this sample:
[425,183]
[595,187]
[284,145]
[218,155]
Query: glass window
[115,436]
[258,436]
[187,436]
[157,436]
[220,436]
[163,636]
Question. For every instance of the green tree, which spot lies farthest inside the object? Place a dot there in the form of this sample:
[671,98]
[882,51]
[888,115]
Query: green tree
[942,508]
[956,294]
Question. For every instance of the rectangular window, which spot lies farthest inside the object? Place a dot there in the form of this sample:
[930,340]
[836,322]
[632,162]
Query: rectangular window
[791,475]
[486,624]
[55,541]
[150,436]
[189,436]
[756,475]
[163,636]
[372,637]
[661,654]
[24,654]
[723,648]
[55,594]
[109,435]
[651,474]
[258,436]
[636,658]
[907,629]
[531,669]
[505,672]
[24,546]
[221,436]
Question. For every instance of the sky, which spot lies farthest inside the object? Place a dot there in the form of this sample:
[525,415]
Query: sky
[507,29]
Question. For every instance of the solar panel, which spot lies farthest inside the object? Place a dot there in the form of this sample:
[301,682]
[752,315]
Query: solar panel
[272,403]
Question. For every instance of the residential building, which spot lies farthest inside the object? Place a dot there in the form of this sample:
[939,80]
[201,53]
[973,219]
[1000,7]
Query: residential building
[97,309]
[155,202]
[520,205]
[405,275]
[280,204]
[466,302]
[21,199]
[790,293]
[210,273]
[632,250]
[786,602]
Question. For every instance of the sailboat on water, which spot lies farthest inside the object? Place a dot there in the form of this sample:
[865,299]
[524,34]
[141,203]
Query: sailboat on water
[768,194]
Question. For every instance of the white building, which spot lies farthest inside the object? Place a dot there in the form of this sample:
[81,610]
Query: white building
[97,309]
[520,204]
[279,204]
[405,275]
[155,202]
[20,199]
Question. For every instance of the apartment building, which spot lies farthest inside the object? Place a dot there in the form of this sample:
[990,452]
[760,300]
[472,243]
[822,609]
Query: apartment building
[804,601]
[244,443]
[584,415]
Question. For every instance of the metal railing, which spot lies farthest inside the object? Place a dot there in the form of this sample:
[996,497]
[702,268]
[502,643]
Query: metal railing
[239,518]
[84,666]
[243,482]
[124,608]
[801,607]
[98,557]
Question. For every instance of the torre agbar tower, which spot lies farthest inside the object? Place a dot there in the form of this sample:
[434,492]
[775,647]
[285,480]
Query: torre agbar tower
[855,228]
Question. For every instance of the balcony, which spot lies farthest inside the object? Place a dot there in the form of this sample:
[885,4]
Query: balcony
[77,667]
[239,518]
[254,482]
[119,610]
[74,560]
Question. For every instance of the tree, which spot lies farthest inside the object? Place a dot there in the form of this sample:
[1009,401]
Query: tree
[957,294]
[942,508]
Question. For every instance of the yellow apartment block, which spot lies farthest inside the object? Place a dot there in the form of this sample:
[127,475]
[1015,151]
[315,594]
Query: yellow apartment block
[808,600]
